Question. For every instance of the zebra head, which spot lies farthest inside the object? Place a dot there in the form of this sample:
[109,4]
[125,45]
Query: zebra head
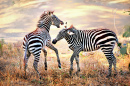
[48,18]
[64,33]
[56,21]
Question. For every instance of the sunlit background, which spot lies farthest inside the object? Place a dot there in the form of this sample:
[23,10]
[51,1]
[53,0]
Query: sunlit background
[19,17]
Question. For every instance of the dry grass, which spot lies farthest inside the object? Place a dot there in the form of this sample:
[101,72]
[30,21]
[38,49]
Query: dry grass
[93,69]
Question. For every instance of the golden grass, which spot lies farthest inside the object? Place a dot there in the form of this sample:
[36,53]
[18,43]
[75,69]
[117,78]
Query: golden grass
[94,68]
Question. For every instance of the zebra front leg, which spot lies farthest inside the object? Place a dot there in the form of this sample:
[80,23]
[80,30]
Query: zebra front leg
[45,54]
[49,45]
[35,65]
[75,53]
[71,64]
[78,68]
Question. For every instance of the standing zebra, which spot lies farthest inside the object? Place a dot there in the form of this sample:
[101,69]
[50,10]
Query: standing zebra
[89,40]
[36,41]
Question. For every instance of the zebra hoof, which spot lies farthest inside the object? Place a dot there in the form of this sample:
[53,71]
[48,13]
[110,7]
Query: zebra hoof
[108,76]
[40,77]
[76,73]
[25,77]
[70,72]
[115,75]
[59,66]
[45,68]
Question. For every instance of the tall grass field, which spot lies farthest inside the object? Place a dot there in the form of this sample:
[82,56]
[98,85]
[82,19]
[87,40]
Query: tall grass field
[93,65]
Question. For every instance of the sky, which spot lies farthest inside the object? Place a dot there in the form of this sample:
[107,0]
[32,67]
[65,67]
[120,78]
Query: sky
[20,17]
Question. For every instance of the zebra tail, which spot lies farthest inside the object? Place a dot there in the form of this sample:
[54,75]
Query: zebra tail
[119,44]
[25,53]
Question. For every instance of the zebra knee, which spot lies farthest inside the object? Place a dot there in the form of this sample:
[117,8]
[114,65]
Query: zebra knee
[114,59]
[25,62]
[35,65]
[45,52]
[56,51]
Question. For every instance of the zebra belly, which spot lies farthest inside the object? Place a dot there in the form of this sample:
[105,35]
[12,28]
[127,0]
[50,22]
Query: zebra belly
[90,47]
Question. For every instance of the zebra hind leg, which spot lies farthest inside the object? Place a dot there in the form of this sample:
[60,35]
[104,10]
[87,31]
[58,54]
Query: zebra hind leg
[25,63]
[110,67]
[108,55]
[114,64]
[45,54]
[35,65]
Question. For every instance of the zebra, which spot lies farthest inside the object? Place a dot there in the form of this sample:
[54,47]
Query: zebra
[89,40]
[36,41]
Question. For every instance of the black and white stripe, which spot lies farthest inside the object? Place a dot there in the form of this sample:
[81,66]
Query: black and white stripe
[89,40]
[35,41]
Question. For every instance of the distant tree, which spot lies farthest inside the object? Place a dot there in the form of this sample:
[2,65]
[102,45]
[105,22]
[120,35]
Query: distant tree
[1,46]
[127,31]
[126,48]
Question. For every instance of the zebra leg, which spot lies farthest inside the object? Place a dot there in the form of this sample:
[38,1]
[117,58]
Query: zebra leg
[26,62]
[110,66]
[45,54]
[114,64]
[75,53]
[49,45]
[35,64]
[108,55]
[78,68]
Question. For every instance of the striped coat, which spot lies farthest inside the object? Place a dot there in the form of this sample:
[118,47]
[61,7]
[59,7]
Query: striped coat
[89,40]
[36,41]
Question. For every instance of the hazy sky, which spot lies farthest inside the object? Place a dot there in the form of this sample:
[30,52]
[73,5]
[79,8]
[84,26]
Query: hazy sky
[19,17]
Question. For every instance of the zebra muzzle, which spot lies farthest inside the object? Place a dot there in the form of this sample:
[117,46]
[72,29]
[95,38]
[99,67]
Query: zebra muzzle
[54,41]
[61,22]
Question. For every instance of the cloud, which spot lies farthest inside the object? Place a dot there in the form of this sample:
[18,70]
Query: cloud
[14,30]
[119,1]
[7,19]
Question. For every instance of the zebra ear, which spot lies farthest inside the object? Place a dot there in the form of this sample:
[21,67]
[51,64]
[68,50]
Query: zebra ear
[71,27]
[52,12]
[65,26]
[49,13]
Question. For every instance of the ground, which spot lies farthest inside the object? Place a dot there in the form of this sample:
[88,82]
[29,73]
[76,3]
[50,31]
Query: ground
[93,69]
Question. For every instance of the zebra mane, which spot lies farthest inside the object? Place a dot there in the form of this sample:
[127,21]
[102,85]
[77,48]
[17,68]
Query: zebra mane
[43,17]
[75,28]
[46,13]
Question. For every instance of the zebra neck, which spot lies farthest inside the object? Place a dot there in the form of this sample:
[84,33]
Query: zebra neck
[68,38]
[45,24]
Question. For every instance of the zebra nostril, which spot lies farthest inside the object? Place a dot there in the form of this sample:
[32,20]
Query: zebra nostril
[58,26]
[61,22]
[54,41]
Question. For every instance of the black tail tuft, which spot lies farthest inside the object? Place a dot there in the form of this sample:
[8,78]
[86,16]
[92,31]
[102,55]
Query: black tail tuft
[119,44]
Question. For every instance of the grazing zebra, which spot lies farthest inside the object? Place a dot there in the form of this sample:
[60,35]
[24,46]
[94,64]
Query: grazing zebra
[89,40]
[36,41]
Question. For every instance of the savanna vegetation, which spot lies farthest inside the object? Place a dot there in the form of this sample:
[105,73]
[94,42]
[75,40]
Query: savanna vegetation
[94,68]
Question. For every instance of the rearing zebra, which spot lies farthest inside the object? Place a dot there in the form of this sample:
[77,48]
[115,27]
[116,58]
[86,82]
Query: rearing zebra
[89,40]
[35,41]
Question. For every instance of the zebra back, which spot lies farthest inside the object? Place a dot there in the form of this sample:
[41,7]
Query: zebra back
[89,39]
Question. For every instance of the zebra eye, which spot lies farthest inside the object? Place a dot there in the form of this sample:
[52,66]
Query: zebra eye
[70,33]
